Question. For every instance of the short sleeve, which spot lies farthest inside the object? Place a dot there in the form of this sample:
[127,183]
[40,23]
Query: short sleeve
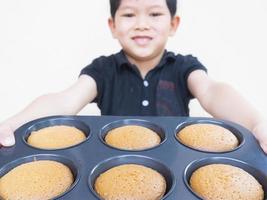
[190,64]
[97,70]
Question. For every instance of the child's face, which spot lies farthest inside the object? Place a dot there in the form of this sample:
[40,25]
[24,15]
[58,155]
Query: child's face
[143,27]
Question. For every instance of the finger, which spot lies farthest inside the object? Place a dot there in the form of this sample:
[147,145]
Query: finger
[264,148]
[7,139]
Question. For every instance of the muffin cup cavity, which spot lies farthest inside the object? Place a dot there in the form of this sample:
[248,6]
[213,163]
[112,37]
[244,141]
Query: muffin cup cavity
[193,166]
[92,157]
[236,132]
[143,123]
[132,159]
[51,157]
[57,122]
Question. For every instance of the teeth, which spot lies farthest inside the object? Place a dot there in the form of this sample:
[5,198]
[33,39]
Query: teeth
[142,40]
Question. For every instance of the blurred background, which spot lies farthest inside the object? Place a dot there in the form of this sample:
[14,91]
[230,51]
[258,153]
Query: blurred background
[45,43]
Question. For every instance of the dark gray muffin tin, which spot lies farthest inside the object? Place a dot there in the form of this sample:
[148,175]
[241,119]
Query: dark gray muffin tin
[172,159]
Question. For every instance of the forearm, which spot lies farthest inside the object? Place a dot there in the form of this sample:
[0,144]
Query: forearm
[224,102]
[45,105]
[66,102]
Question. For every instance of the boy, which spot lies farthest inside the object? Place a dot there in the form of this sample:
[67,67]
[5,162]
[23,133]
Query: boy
[143,79]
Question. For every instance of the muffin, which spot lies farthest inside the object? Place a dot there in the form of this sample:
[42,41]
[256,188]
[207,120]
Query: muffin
[225,182]
[56,137]
[208,137]
[132,137]
[40,180]
[130,181]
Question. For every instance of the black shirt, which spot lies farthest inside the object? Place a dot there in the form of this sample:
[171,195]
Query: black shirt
[122,91]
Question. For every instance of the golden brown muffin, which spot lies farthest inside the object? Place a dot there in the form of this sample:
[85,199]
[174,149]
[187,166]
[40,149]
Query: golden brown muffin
[40,180]
[208,137]
[130,181]
[56,137]
[132,137]
[225,182]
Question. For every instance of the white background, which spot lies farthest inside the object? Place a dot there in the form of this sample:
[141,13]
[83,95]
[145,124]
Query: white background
[45,43]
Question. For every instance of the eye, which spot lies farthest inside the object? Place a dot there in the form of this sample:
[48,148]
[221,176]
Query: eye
[128,15]
[155,14]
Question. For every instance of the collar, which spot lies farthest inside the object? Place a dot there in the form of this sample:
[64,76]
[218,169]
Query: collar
[167,57]
[122,60]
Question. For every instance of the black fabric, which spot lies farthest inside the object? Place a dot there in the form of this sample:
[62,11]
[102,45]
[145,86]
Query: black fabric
[121,89]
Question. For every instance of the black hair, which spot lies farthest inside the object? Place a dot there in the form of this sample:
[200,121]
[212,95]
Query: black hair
[114,5]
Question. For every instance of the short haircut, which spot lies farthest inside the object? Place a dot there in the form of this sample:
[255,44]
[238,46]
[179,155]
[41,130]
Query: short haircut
[114,5]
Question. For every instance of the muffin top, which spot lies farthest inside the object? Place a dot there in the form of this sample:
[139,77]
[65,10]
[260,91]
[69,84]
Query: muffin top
[208,137]
[130,181]
[40,180]
[56,137]
[132,137]
[225,182]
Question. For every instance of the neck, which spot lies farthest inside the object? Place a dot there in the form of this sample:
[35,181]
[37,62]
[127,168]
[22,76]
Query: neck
[145,65]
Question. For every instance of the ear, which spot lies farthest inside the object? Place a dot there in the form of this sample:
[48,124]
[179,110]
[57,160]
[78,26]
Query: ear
[175,21]
[111,24]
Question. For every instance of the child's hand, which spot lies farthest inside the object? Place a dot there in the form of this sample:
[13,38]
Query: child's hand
[6,135]
[260,132]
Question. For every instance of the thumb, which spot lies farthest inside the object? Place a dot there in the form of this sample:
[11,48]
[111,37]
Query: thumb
[7,138]
[264,147]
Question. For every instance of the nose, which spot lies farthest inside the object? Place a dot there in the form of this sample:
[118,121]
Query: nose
[142,23]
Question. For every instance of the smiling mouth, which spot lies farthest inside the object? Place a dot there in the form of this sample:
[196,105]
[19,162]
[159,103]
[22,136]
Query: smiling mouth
[141,40]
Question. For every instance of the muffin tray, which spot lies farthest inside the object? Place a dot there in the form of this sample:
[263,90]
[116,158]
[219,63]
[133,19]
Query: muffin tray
[172,159]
